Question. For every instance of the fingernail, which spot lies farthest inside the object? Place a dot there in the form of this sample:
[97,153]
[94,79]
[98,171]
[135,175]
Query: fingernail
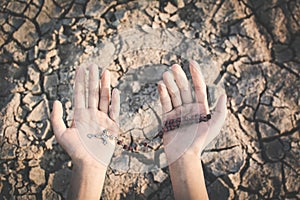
[160,82]
[160,87]
[175,66]
[116,91]
[196,68]
[194,64]
[106,72]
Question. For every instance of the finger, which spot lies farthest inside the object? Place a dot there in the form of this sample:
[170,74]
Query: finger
[172,89]
[105,92]
[219,116]
[199,85]
[217,120]
[79,97]
[164,97]
[99,93]
[115,106]
[56,118]
[183,84]
[93,86]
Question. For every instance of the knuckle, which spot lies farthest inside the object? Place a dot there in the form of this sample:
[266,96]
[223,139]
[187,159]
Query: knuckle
[185,89]
[198,87]
[105,96]
[174,93]
[112,115]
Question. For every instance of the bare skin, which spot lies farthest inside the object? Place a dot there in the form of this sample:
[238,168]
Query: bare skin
[183,146]
[88,174]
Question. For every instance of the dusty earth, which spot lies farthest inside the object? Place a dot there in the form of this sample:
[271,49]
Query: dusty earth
[250,48]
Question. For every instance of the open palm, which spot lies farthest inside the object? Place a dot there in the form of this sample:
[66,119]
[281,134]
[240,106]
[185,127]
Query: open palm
[90,118]
[177,102]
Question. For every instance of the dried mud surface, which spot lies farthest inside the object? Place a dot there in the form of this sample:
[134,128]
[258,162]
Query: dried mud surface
[250,47]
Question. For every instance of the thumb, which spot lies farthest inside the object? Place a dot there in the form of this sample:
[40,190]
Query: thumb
[57,122]
[218,118]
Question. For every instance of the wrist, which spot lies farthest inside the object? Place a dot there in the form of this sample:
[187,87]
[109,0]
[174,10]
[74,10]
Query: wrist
[186,157]
[190,154]
[87,180]
[89,165]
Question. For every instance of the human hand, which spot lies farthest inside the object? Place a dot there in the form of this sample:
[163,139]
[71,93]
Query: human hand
[89,118]
[177,101]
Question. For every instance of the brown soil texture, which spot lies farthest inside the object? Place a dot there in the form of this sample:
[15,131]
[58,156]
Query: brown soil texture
[251,48]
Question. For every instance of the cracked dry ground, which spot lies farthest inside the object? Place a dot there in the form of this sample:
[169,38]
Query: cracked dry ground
[255,46]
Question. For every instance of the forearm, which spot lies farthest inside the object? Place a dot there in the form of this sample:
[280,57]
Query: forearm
[187,178]
[86,182]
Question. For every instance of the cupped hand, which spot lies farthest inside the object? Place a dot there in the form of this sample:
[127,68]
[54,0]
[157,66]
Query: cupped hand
[178,102]
[91,117]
